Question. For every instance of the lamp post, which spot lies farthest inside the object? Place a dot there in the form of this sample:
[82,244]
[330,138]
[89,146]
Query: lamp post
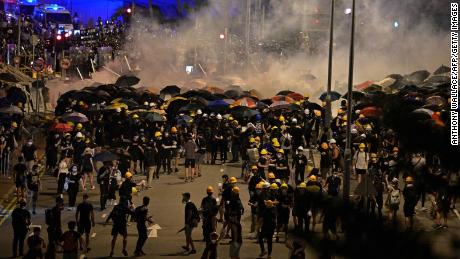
[329,70]
[348,156]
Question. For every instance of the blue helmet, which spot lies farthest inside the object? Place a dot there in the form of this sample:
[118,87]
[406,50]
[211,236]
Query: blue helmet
[258,117]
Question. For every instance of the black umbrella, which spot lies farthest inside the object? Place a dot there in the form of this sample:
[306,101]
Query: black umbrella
[85,96]
[417,76]
[127,80]
[192,107]
[11,110]
[8,77]
[103,95]
[75,117]
[314,106]
[243,112]
[105,156]
[395,76]
[355,95]
[233,94]
[172,90]
[334,96]
[4,102]
[438,79]
[442,70]
[16,95]
[153,117]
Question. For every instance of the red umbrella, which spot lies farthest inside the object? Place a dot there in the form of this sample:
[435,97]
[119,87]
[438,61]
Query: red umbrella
[245,102]
[296,96]
[363,85]
[61,127]
[283,98]
[371,111]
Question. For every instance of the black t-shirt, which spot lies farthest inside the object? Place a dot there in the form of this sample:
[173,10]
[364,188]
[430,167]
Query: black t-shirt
[190,209]
[85,209]
[29,152]
[126,188]
[118,215]
[20,170]
[333,183]
[20,218]
[33,180]
[141,213]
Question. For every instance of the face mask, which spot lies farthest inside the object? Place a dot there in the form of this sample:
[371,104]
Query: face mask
[29,143]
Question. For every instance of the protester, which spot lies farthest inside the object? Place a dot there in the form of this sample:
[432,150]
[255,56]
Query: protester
[36,245]
[20,221]
[20,177]
[142,217]
[190,156]
[192,218]
[34,185]
[85,220]
[119,215]
[70,241]
[53,220]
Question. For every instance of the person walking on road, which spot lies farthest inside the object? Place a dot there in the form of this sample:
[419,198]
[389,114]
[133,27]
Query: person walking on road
[29,153]
[103,177]
[410,201]
[33,184]
[20,171]
[119,217]
[85,219]
[142,216]
[53,220]
[36,245]
[190,148]
[73,182]
[209,211]
[20,221]
[70,241]
[192,218]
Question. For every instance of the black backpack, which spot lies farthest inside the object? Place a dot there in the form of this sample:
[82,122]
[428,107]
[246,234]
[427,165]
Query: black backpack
[49,217]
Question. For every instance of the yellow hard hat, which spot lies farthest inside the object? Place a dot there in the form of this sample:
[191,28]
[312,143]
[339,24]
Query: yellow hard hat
[254,167]
[317,113]
[312,178]
[134,190]
[274,127]
[302,185]
[79,126]
[271,176]
[230,118]
[361,116]
[324,145]
[209,189]
[362,145]
[14,124]
[252,140]
[274,186]
[281,151]
[274,140]
[81,103]
[236,189]
[173,130]
[232,180]
[373,155]
[284,185]
[263,152]
[282,118]
[157,134]
[257,139]
[135,116]
[345,118]
[395,149]
[409,179]
[128,175]
[276,144]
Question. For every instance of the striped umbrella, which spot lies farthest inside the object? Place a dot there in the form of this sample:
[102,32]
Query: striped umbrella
[245,102]
[296,96]
[283,98]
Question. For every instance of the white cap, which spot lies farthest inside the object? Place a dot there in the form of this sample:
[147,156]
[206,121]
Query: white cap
[219,117]
[332,141]
[294,120]
[199,112]
[363,135]
[79,135]
[300,148]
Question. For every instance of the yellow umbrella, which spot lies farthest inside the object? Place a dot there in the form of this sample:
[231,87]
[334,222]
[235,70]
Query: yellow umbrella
[117,105]
[174,99]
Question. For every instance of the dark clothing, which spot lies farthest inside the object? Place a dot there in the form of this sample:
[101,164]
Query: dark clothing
[119,217]
[28,152]
[35,244]
[333,185]
[20,174]
[410,200]
[141,214]
[84,209]
[20,220]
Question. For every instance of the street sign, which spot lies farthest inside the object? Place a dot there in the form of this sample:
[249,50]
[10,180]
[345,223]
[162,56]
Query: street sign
[65,63]
[38,65]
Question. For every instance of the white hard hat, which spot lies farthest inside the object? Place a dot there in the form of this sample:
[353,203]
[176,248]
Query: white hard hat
[151,104]
[79,135]
[199,112]
[363,135]
[118,109]
[357,111]
[300,148]
[219,117]
[354,131]
[146,103]
[205,115]
[306,111]
[294,120]
[332,141]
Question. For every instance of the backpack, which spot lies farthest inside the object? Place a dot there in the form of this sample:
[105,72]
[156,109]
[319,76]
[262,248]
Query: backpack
[49,217]
[195,215]
[70,241]
[395,197]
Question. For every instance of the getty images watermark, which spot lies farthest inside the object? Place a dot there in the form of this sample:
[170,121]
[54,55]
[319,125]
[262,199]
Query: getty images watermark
[454,74]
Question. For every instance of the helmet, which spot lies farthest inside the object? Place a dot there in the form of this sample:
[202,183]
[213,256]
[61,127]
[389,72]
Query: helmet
[294,120]
[302,185]
[324,145]
[146,103]
[81,103]
[79,126]
[271,176]
[332,141]
[395,180]
[135,116]
[260,185]
[354,131]
[409,179]
[281,118]
[362,145]
[79,135]
[230,118]
[274,186]
[209,189]
[252,140]
[317,113]
[134,190]
[157,134]
[232,180]
[254,167]
[312,178]
[263,152]
[395,149]
[300,148]
[281,151]
[257,139]
[373,155]
[236,189]
[345,118]
[368,127]
[128,175]
[274,127]
[361,116]
[219,117]
[258,117]
[173,130]
[306,111]
[266,185]
[284,185]
[276,144]
[199,112]
[14,124]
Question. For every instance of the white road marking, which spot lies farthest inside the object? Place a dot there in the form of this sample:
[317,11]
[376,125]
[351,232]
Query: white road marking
[93,235]
[154,230]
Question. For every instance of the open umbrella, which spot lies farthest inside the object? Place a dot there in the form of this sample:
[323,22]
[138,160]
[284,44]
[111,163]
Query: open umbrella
[171,90]
[314,106]
[85,96]
[16,95]
[245,102]
[363,85]
[334,96]
[285,92]
[255,93]
[10,110]
[218,105]
[417,76]
[105,156]
[153,117]
[61,127]
[442,70]
[8,77]
[279,105]
[184,120]
[296,96]
[115,106]
[435,100]
[371,111]
[282,98]
[128,101]
[372,88]
[355,95]
[213,89]
[75,117]
[233,94]
[243,112]
[191,107]
[127,80]
[424,110]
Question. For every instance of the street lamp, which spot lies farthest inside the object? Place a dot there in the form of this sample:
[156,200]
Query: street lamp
[222,36]
[347,11]
[395,24]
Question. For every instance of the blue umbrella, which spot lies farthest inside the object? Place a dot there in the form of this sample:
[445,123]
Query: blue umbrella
[218,105]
